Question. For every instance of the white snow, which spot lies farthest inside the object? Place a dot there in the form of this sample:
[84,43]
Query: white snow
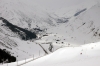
[85,55]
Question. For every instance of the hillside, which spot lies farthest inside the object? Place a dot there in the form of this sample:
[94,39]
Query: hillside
[80,29]
[23,13]
[21,24]
[85,55]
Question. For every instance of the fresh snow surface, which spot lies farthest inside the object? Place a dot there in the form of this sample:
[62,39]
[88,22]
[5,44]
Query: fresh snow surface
[85,55]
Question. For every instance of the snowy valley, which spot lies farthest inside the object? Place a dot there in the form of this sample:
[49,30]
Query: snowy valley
[66,33]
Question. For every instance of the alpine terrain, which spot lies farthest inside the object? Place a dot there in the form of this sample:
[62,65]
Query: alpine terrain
[53,32]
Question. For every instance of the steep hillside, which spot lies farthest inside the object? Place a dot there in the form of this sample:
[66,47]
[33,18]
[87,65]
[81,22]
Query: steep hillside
[85,27]
[21,24]
[73,7]
[26,14]
[82,28]
[23,33]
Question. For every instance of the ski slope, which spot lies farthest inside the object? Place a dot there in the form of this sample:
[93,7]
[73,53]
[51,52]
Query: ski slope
[85,55]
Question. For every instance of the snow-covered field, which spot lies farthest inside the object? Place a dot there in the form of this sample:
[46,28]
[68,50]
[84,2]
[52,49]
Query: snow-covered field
[85,55]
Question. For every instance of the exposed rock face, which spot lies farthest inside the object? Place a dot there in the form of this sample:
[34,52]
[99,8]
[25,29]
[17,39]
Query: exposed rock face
[23,33]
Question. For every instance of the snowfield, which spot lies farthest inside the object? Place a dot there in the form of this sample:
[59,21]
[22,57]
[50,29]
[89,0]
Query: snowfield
[85,55]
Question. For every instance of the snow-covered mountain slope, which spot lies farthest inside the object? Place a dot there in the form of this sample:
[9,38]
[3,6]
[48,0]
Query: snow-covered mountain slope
[85,55]
[19,41]
[74,7]
[23,13]
[21,19]
[85,25]
[82,28]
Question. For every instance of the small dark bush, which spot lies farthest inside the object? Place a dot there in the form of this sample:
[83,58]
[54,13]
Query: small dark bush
[5,57]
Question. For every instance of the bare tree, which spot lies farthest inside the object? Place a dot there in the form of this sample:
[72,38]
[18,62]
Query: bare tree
[50,48]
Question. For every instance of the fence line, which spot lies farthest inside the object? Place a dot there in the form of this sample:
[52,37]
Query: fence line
[17,63]
[32,59]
